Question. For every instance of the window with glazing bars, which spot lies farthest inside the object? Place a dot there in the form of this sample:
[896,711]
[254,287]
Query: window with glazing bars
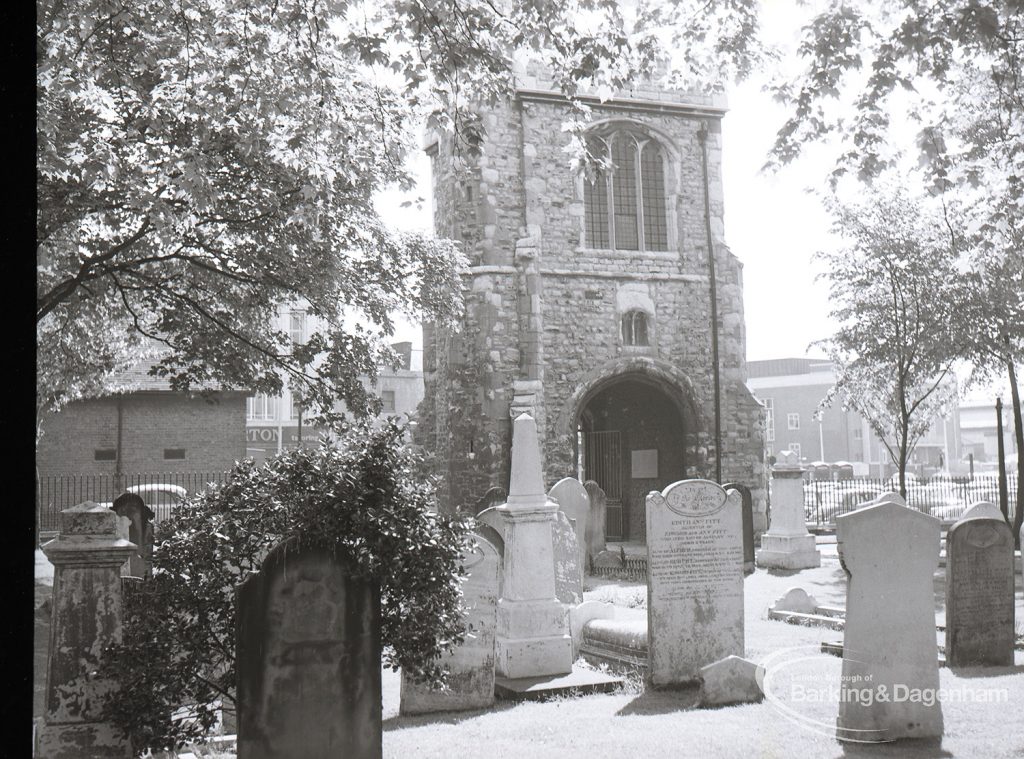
[634,328]
[624,206]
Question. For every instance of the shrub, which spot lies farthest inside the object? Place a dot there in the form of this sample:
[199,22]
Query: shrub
[176,664]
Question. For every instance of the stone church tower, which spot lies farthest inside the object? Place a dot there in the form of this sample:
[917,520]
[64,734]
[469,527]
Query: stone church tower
[588,305]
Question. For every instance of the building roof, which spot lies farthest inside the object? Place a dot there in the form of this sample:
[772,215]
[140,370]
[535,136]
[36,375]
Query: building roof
[783,367]
[137,379]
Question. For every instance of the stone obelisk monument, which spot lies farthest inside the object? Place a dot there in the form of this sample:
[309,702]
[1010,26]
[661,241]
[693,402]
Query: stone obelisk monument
[532,633]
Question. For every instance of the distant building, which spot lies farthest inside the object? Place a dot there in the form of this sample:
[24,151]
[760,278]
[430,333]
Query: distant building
[978,430]
[791,389]
[274,423]
[148,428]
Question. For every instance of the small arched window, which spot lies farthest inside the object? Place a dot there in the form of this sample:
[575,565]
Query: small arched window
[634,328]
[625,204]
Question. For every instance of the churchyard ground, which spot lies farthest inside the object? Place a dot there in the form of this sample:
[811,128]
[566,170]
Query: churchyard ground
[634,722]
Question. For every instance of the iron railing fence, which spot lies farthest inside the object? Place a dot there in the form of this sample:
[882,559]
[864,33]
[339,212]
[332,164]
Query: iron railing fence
[58,492]
[944,497]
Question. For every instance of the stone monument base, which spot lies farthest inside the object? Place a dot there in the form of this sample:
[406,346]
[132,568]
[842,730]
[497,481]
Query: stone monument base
[533,657]
[532,639]
[788,552]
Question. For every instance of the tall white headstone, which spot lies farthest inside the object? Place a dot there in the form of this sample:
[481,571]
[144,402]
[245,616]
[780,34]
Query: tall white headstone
[533,630]
[787,544]
[890,554]
[694,579]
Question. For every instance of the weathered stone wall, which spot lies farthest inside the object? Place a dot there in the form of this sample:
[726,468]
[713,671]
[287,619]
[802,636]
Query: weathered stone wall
[522,185]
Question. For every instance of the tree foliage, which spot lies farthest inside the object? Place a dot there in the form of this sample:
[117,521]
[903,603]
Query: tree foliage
[201,163]
[953,71]
[894,293]
[365,497]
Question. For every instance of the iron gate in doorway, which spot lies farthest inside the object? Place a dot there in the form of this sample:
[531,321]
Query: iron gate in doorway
[602,462]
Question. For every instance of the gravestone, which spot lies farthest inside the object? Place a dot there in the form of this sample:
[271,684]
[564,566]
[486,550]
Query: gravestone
[596,537]
[890,554]
[983,509]
[610,561]
[798,600]
[533,629]
[733,680]
[493,497]
[471,665]
[492,518]
[566,554]
[694,579]
[308,658]
[573,499]
[788,544]
[979,590]
[86,616]
[140,532]
[748,524]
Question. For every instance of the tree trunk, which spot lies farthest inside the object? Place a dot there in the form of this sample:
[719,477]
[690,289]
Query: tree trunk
[1018,431]
[904,455]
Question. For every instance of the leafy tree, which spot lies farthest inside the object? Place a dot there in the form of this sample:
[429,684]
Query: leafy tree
[364,497]
[953,69]
[201,163]
[893,286]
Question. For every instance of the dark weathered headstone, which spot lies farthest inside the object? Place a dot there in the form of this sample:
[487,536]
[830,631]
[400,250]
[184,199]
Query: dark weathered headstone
[596,531]
[890,554]
[694,579]
[140,532]
[471,665]
[308,659]
[493,497]
[748,524]
[568,575]
[979,593]
[87,616]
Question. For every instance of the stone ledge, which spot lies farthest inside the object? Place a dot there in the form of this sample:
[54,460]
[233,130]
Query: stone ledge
[578,682]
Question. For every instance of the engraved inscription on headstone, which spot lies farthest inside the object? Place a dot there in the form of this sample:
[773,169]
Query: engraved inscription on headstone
[566,554]
[979,593]
[308,659]
[694,579]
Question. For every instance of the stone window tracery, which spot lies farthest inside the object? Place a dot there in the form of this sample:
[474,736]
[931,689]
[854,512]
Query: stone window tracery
[634,328]
[625,205]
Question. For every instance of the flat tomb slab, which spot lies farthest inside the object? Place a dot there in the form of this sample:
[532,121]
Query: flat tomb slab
[578,682]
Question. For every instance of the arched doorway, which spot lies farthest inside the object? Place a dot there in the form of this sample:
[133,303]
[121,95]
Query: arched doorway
[633,432]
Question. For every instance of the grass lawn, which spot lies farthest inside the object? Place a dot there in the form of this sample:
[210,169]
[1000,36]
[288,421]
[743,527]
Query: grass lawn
[634,723]
[653,724]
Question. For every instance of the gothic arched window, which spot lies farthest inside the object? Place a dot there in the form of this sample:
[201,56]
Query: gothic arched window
[625,205]
[634,328]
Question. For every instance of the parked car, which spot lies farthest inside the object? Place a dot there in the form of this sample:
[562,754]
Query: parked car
[910,478]
[162,497]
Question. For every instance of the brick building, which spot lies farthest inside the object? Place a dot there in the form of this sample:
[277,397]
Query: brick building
[147,428]
[793,388]
[588,304]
